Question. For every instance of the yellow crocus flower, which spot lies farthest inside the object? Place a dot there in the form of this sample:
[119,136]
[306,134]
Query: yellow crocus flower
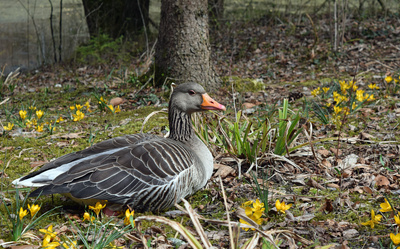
[59,119]
[128,215]
[86,216]
[97,208]
[39,128]
[33,209]
[70,245]
[49,232]
[395,238]
[397,219]
[281,206]
[385,207]
[22,213]
[9,127]
[375,219]
[78,116]
[388,79]
[39,113]
[22,114]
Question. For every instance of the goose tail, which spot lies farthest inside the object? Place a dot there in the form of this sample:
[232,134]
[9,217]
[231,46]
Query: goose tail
[20,182]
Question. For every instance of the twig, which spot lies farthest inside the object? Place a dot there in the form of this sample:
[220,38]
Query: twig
[52,31]
[145,29]
[315,31]
[336,26]
[391,68]
[227,213]
[60,32]
[145,84]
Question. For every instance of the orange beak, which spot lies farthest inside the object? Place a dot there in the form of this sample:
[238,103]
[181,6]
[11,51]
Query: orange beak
[210,104]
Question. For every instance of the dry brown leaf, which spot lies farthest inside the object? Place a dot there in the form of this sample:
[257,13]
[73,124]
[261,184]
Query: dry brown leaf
[357,189]
[333,185]
[305,217]
[312,183]
[334,151]
[117,101]
[344,245]
[346,173]
[367,189]
[326,163]
[6,148]
[248,105]
[24,247]
[365,136]
[72,135]
[62,143]
[350,233]
[324,152]
[381,180]
[37,163]
[327,206]
[224,171]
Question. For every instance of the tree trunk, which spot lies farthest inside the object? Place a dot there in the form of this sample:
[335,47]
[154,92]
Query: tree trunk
[183,48]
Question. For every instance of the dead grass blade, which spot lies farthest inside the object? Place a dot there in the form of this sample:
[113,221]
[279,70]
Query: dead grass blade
[232,223]
[164,110]
[193,242]
[253,242]
[240,213]
[133,238]
[291,234]
[283,158]
[197,225]
[309,137]
[227,214]
[4,101]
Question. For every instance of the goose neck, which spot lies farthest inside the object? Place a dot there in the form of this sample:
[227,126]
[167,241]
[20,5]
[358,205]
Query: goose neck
[180,125]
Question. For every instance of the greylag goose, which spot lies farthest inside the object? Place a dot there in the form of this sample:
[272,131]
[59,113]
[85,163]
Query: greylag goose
[144,171]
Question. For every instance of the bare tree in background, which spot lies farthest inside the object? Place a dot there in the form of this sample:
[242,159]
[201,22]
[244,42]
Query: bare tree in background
[215,11]
[183,48]
[117,17]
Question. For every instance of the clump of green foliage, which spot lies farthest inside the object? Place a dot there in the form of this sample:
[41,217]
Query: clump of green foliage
[101,49]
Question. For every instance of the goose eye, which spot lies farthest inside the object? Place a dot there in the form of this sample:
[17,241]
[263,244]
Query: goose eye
[191,92]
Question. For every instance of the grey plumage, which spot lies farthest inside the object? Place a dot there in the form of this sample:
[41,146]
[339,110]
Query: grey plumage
[144,171]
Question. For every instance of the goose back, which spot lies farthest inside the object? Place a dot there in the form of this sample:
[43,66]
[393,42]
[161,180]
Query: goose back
[144,171]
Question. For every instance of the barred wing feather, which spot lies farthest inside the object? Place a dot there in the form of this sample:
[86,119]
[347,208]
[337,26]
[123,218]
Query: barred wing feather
[139,172]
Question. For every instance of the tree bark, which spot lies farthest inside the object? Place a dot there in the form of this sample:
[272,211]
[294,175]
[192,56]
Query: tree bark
[183,48]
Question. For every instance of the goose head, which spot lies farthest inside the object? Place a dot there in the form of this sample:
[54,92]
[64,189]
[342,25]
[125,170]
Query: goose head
[191,97]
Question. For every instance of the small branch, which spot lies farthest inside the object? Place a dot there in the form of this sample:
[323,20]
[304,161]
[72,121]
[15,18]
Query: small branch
[60,44]
[316,39]
[52,31]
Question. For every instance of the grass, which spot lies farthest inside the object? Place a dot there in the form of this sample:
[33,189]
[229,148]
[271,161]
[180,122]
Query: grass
[245,135]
